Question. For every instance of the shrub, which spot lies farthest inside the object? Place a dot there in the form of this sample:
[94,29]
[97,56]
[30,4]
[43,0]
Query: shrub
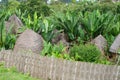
[57,51]
[118,7]
[87,53]
[52,50]
[12,5]
[91,6]
[32,6]
[85,6]
[103,60]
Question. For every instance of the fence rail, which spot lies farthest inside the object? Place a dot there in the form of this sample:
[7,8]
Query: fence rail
[58,69]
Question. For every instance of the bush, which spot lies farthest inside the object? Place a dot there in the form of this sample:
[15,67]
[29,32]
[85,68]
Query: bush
[103,60]
[32,6]
[12,5]
[51,50]
[57,51]
[82,6]
[87,53]
[118,7]
[103,7]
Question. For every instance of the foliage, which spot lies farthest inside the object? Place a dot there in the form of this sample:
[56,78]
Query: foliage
[82,22]
[49,49]
[87,53]
[95,23]
[47,28]
[12,74]
[69,22]
[37,6]
[57,51]
[102,7]
[42,25]
[4,14]
[12,5]
[7,40]
[91,23]
[90,6]
[103,60]
[75,24]
[118,7]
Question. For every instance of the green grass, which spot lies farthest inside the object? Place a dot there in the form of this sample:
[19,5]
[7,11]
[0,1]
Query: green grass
[12,74]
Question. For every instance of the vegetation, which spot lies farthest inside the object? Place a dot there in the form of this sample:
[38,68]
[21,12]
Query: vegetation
[87,53]
[7,40]
[81,22]
[12,74]
[37,6]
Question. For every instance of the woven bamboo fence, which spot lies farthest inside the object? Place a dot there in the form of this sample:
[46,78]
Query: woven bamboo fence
[48,68]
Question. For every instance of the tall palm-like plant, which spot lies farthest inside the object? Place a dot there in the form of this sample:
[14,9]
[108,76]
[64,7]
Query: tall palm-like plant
[95,23]
[7,40]
[41,25]
[69,22]
[47,28]
[112,28]
[91,23]
[108,22]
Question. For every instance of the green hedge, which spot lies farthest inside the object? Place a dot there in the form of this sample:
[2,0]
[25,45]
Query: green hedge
[32,6]
[88,6]
[87,53]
